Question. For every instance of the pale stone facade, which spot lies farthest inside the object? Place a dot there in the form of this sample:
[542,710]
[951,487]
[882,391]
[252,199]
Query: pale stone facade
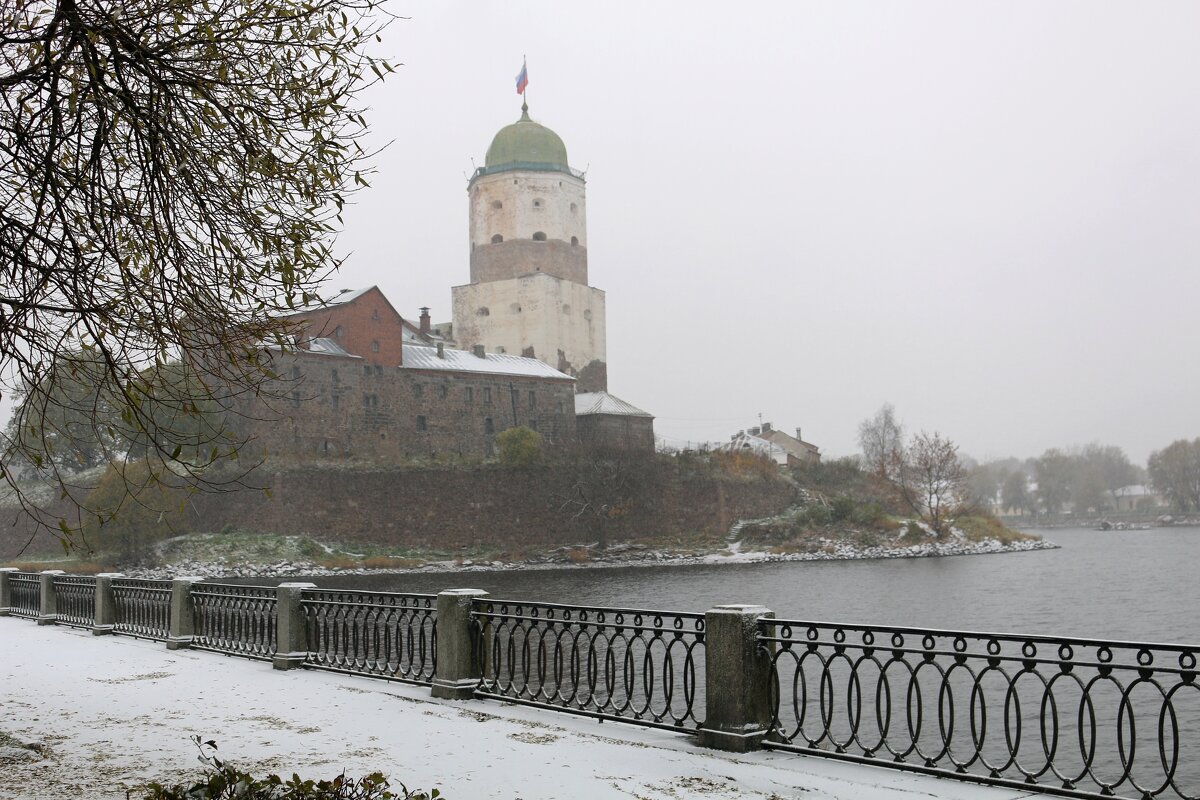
[529,292]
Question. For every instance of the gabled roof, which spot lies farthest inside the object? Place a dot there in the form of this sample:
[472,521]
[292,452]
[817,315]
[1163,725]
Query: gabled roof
[604,403]
[417,356]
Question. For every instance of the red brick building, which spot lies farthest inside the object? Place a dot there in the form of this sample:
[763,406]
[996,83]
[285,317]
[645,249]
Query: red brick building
[363,382]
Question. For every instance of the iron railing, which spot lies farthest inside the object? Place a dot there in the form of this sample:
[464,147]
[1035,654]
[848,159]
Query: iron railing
[238,620]
[373,633]
[1076,717]
[75,600]
[26,592]
[142,608]
[634,665]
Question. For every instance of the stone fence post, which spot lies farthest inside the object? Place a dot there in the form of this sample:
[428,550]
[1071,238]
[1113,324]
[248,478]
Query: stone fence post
[291,641]
[48,615]
[106,605]
[457,673]
[737,679]
[6,590]
[181,630]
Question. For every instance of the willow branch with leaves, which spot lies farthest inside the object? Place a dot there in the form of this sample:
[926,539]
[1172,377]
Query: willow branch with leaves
[172,174]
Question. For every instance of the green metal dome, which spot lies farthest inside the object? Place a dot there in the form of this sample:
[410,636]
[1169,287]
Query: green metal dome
[526,142]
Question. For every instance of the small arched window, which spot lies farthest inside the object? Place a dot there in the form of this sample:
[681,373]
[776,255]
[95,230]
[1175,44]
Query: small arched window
[575,240]
[482,311]
[497,204]
[574,208]
[497,239]
[539,237]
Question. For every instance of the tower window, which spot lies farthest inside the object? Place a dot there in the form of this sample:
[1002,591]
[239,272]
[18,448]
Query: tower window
[539,237]
[515,308]
[574,208]
[537,203]
[566,309]
[497,239]
[482,311]
[574,240]
[497,204]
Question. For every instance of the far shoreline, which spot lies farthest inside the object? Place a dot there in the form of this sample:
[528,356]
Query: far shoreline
[620,558]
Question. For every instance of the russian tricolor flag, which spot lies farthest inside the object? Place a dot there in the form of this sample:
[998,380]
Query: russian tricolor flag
[522,79]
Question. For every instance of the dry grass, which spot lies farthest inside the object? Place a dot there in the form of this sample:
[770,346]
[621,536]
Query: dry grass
[390,562]
[578,555]
[978,529]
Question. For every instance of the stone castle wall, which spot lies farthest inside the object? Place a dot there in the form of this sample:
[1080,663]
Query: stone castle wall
[346,408]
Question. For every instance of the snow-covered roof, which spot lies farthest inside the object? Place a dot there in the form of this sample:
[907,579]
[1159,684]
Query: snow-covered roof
[328,347]
[1136,490]
[604,403]
[421,357]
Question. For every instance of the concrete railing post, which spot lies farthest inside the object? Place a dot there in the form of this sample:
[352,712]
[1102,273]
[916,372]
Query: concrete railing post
[457,673]
[48,614]
[181,629]
[106,605]
[291,642]
[6,590]
[737,679]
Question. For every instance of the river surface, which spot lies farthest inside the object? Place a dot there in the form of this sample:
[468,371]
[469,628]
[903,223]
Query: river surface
[1129,585]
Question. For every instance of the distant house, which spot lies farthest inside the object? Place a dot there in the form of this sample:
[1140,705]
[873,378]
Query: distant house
[776,445]
[1138,498]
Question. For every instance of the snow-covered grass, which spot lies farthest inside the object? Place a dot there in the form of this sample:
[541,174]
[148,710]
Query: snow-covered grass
[109,713]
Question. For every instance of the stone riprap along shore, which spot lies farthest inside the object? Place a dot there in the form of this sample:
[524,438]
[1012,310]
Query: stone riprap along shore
[617,555]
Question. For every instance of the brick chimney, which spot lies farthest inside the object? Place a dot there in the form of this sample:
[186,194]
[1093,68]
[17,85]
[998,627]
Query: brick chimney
[441,350]
[424,320]
[766,427]
[478,351]
[798,436]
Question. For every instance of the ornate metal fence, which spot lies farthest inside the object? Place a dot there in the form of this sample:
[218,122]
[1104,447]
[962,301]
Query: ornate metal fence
[1076,717]
[75,600]
[26,594]
[638,666]
[142,608]
[238,620]
[373,633]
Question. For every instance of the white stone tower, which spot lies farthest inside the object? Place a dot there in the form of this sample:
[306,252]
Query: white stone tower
[529,292]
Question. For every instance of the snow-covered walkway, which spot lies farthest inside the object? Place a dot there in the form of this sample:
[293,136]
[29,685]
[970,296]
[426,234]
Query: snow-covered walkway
[116,712]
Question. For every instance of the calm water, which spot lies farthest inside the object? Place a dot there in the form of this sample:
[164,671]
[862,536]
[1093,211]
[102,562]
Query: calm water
[1135,585]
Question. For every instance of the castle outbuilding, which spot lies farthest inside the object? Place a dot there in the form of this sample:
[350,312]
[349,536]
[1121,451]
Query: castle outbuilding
[529,292]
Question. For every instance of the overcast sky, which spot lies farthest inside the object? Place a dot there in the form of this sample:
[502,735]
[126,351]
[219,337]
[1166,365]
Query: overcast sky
[987,214]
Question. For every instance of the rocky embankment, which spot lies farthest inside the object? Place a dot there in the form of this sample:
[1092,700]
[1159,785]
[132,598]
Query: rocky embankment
[618,555]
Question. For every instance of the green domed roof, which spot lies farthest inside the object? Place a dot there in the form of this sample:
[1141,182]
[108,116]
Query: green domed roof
[525,141]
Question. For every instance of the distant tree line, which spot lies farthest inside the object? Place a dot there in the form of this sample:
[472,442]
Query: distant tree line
[934,479]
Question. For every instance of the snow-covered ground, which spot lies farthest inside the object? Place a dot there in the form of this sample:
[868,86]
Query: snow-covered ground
[113,712]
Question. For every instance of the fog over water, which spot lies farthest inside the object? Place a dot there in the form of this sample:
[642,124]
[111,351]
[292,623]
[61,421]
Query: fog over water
[985,213]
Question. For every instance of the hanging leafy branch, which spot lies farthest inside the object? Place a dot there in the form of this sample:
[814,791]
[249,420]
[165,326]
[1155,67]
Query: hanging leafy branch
[172,174]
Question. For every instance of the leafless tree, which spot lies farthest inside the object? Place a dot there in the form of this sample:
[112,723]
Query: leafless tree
[931,480]
[171,176]
[882,442]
